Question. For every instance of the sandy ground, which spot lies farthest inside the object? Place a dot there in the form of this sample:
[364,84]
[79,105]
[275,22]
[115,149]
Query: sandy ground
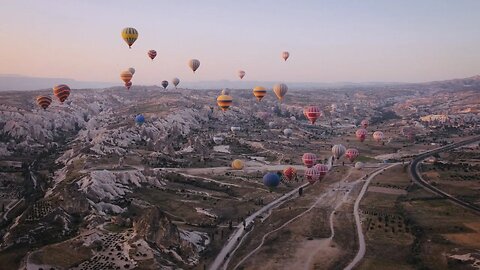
[385,190]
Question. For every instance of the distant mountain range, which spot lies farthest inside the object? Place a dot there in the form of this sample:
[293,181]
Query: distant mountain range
[17,82]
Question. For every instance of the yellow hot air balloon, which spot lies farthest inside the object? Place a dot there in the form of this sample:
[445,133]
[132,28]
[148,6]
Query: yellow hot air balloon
[224,102]
[280,89]
[194,64]
[259,92]
[129,34]
[126,76]
[237,164]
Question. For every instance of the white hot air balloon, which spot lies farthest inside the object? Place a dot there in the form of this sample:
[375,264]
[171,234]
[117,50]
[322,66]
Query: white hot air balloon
[287,132]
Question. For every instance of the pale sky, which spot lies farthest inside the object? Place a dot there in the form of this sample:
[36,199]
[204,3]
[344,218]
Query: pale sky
[328,41]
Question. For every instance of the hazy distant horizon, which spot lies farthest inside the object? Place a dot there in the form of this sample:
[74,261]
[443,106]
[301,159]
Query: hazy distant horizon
[329,41]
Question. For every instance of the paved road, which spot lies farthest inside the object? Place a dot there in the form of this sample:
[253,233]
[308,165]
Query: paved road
[361,237]
[415,174]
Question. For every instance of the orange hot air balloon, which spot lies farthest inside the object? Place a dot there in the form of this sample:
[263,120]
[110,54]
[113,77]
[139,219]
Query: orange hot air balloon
[126,76]
[152,54]
[312,113]
[44,101]
[351,154]
[309,159]
[259,92]
[361,134]
[224,102]
[290,173]
[61,91]
[237,164]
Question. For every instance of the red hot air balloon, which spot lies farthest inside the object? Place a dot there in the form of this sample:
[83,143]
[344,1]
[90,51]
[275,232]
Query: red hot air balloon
[312,113]
[290,173]
[322,169]
[309,159]
[361,134]
[312,175]
[152,54]
[61,91]
[351,154]
[364,123]
[44,101]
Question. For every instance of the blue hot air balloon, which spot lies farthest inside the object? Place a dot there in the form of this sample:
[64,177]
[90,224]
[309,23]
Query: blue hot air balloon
[140,119]
[271,180]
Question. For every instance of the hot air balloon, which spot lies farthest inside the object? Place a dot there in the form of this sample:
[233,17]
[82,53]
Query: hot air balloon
[132,70]
[129,34]
[217,139]
[361,134]
[237,164]
[140,119]
[293,118]
[287,132]
[128,85]
[312,175]
[338,151]
[44,101]
[359,165]
[351,154]
[289,173]
[309,159]
[194,64]
[61,91]
[280,89]
[322,169]
[152,54]
[235,129]
[164,84]
[271,180]
[364,123]
[175,82]
[126,76]
[285,55]
[378,136]
[259,92]
[271,124]
[241,74]
[225,91]
[224,102]
[312,113]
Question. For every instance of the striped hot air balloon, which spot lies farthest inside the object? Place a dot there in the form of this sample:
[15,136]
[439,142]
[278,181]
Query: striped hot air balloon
[338,151]
[285,55]
[130,35]
[312,175]
[361,134]
[378,136]
[312,113]
[194,64]
[280,89]
[241,74]
[152,54]
[237,164]
[44,101]
[289,173]
[128,85]
[309,159]
[351,154]
[259,92]
[175,81]
[61,91]
[126,76]
[224,102]
[322,169]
